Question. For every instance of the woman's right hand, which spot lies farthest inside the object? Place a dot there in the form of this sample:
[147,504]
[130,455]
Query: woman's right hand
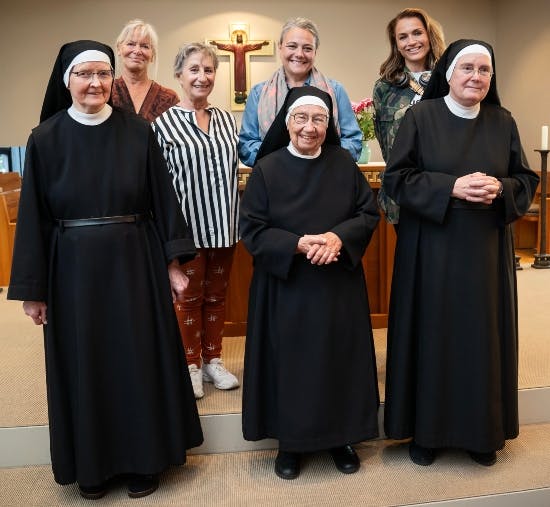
[36,310]
[178,280]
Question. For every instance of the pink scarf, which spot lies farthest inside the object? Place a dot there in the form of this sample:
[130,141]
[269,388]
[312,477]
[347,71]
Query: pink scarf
[274,92]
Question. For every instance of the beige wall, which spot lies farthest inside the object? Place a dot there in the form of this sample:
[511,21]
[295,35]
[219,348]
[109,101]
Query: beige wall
[352,47]
[523,67]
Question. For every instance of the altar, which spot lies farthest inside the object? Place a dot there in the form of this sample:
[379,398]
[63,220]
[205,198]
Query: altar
[377,264]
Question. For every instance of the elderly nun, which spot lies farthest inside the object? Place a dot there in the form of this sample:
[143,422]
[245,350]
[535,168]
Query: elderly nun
[458,171]
[307,216]
[99,237]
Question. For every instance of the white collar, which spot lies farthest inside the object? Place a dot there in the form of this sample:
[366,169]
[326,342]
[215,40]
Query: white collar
[90,118]
[296,153]
[457,109]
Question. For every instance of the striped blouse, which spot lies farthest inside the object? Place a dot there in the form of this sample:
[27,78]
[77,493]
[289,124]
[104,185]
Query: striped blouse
[204,172]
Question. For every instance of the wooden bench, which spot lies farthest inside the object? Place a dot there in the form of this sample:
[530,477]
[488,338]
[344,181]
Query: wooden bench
[9,181]
[9,205]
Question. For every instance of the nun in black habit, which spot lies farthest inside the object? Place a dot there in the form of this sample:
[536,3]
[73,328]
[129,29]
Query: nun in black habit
[458,171]
[99,234]
[307,215]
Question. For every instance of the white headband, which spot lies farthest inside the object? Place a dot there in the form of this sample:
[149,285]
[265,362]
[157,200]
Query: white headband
[468,50]
[90,55]
[306,100]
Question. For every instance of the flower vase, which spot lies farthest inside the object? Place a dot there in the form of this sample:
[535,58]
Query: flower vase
[365,153]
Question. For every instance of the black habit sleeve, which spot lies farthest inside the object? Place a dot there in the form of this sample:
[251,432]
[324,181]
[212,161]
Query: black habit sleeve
[356,232]
[29,271]
[425,193]
[169,220]
[520,187]
[272,248]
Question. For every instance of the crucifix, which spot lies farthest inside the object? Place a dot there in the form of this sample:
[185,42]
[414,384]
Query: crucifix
[239,48]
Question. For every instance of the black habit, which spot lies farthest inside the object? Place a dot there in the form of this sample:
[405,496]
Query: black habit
[119,394]
[451,378]
[310,368]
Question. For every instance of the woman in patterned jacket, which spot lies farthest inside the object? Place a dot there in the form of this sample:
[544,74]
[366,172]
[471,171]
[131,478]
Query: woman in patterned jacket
[416,43]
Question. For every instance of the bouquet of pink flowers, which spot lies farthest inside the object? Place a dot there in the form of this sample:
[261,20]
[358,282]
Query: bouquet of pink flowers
[364,113]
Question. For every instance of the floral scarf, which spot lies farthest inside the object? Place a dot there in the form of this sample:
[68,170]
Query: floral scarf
[274,92]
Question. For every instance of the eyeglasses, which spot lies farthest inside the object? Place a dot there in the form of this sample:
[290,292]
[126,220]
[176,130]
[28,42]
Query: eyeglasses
[317,119]
[470,70]
[88,75]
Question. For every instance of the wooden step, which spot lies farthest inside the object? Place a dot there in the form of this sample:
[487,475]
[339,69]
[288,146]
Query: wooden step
[29,445]
[387,477]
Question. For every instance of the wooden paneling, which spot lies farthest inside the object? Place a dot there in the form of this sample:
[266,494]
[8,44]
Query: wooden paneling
[527,229]
[539,236]
[526,232]
[236,300]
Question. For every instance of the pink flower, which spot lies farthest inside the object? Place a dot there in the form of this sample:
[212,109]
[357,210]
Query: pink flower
[357,107]
[368,102]
[364,112]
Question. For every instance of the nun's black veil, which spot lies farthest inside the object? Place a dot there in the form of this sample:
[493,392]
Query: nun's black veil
[438,85]
[277,136]
[57,95]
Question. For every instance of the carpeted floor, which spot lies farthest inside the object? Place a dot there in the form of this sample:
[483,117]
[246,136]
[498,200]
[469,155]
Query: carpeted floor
[23,391]
[387,478]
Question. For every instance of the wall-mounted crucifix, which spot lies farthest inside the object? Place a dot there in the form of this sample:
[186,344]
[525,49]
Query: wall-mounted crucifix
[239,48]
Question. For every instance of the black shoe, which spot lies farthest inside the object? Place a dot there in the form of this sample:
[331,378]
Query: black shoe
[345,459]
[421,455]
[93,492]
[287,465]
[484,458]
[142,485]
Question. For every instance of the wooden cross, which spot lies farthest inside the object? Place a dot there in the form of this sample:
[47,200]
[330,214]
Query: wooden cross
[239,48]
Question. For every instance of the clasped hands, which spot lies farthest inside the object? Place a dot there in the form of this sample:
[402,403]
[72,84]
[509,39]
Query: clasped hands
[477,187]
[320,248]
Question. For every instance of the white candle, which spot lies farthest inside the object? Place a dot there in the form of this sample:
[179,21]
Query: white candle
[544,138]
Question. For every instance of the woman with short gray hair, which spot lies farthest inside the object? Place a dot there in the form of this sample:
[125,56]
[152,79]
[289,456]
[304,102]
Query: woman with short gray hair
[199,142]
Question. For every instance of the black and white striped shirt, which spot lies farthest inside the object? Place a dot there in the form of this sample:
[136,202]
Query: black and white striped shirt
[204,172]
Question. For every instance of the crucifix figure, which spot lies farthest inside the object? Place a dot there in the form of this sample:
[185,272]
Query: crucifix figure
[239,50]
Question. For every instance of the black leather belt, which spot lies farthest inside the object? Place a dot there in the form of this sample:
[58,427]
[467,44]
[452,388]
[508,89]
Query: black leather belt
[86,222]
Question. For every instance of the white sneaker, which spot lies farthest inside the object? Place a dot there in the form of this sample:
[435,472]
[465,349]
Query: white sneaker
[196,380]
[215,372]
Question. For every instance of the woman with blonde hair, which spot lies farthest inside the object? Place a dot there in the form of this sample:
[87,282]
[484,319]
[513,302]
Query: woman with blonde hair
[416,43]
[134,90]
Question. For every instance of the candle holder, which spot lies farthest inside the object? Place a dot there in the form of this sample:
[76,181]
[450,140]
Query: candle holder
[542,259]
